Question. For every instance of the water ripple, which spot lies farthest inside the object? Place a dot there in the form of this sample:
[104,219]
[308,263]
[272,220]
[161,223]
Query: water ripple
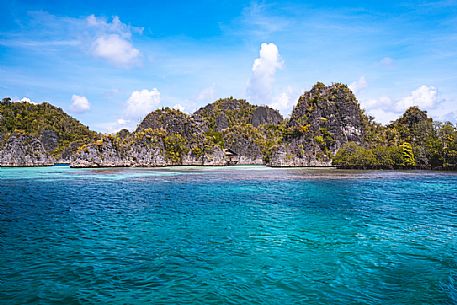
[242,235]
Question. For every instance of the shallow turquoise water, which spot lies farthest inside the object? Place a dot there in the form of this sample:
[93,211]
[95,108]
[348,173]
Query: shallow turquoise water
[238,235]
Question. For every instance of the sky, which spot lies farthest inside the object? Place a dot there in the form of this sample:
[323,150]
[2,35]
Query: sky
[109,63]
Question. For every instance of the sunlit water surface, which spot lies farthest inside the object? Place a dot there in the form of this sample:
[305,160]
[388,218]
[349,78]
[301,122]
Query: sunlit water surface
[234,235]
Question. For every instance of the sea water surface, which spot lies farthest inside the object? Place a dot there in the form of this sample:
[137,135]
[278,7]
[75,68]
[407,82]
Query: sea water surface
[233,235]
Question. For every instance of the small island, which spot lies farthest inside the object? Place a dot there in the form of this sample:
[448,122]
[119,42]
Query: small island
[326,128]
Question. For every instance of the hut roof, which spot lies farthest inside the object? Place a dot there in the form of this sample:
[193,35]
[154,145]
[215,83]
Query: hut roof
[230,153]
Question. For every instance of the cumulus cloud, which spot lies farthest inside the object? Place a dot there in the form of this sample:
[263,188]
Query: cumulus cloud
[263,72]
[116,50]
[115,26]
[179,107]
[115,126]
[142,102]
[112,41]
[122,121]
[383,116]
[423,97]
[25,100]
[385,109]
[358,85]
[79,104]
[285,101]
[109,40]
[381,102]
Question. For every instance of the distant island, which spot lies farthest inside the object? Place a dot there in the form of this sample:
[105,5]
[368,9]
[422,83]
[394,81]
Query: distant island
[327,127]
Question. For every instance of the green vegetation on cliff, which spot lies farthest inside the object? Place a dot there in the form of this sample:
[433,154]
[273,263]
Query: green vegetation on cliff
[56,130]
[251,131]
[326,127]
[412,141]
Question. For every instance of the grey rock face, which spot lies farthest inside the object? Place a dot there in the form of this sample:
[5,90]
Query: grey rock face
[24,150]
[148,152]
[213,157]
[172,121]
[265,115]
[244,145]
[292,155]
[221,122]
[50,140]
[105,154]
[69,152]
[139,152]
[109,152]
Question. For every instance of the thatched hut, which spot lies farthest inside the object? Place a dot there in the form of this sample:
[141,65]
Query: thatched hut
[231,157]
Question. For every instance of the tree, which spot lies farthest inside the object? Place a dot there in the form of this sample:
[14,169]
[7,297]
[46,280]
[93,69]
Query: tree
[6,100]
[408,155]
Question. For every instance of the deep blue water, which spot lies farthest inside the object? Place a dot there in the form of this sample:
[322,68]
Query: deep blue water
[238,235]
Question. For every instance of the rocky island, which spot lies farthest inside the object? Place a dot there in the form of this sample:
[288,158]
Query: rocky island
[326,128]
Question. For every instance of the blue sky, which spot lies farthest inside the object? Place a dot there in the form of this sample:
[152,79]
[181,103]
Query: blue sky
[108,63]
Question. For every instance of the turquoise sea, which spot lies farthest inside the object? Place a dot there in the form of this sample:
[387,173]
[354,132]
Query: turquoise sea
[233,235]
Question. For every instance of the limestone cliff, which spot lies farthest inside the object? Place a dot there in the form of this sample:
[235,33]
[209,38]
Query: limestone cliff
[23,150]
[240,127]
[165,137]
[325,118]
[59,134]
[230,112]
[226,131]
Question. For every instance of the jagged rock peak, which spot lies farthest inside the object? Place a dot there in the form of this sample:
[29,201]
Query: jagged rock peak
[333,109]
[59,133]
[229,112]
[169,119]
[323,120]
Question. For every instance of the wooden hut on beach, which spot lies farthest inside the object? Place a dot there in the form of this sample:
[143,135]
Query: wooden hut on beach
[231,157]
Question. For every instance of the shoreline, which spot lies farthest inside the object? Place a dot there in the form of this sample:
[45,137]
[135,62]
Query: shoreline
[342,169]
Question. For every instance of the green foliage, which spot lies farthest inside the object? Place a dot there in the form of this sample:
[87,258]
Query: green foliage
[175,147]
[31,119]
[319,140]
[215,138]
[352,155]
[412,141]
[233,111]
[408,155]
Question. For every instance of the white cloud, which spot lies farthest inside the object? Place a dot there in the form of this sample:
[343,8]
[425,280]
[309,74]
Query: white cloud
[112,41]
[385,109]
[382,102]
[424,97]
[142,102]
[26,100]
[79,104]
[179,107]
[285,101]
[358,85]
[115,26]
[114,127]
[122,121]
[116,50]
[383,116]
[263,71]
